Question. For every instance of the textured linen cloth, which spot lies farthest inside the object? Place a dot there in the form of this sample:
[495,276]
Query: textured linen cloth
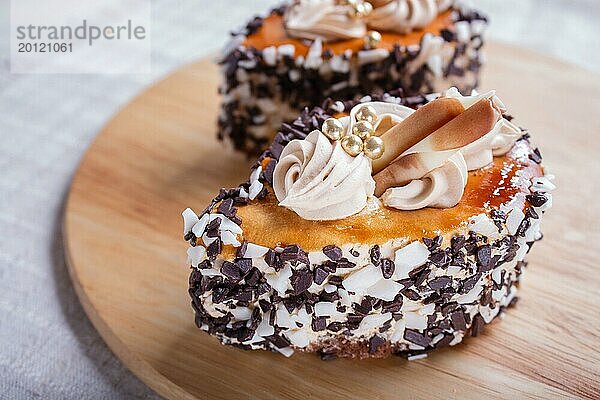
[48,347]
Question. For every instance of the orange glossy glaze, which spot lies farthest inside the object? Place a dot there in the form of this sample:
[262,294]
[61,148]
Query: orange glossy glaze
[508,177]
[272,33]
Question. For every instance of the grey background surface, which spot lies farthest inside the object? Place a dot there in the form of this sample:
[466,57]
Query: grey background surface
[48,347]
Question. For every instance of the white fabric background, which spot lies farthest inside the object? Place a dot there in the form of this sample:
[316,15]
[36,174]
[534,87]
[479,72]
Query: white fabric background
[48,348]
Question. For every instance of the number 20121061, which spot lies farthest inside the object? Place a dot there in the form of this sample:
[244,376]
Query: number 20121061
[27,47]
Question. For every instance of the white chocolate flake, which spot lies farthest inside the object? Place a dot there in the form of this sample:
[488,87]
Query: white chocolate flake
[269,55]
[298,338]
[483,225]
[264,328]
[415,320]
[286,50]
[200,226]
[229,238]
[196,255]
[363,278]
[241,313]
[255,188]
[255,250]
[325,309]
[514,220]
[542,184]
[282,317]
[385,289]
[280,280]
[373,321]
[408,258]
[398,331]
[471,296]
[189,220]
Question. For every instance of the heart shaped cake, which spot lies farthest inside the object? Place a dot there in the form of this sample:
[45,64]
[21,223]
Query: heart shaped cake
[372,228]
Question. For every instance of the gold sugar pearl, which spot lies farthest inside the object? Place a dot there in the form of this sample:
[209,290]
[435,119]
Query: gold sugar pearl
[354,11]
[359,9]
[362,129]
[374,147]
[366,113]
[367,8]
[352,144]
[372,39]
[333,128]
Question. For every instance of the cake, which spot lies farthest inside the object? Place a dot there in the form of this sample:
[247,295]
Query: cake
[372,230]
[304,52]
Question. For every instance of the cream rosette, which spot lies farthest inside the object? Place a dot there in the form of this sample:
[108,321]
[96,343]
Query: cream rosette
[434,171]
[325,19]
[318,180]
[404,16]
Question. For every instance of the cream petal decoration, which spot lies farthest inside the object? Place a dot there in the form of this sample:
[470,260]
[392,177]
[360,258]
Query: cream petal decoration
[497,142]
[506,135]
[478,155]
[433,172]
[468,101]
[443,187]
[324,19]
[461,131]
[435,149]
[318,180]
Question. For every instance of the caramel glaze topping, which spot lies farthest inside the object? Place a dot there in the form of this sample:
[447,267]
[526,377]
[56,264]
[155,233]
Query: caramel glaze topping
[506,179]
[272,33]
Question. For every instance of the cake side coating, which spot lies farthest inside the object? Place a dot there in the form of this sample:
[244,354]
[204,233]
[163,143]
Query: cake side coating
[264,87]
[356,300]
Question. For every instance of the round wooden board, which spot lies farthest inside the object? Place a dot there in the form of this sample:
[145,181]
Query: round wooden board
[123,239]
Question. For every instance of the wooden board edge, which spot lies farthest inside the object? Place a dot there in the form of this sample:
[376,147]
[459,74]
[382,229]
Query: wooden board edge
[138,366]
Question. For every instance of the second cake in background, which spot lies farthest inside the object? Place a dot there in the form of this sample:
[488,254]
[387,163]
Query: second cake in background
[304,52]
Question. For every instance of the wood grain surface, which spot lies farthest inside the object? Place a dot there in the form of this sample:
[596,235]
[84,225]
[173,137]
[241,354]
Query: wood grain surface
[123,240]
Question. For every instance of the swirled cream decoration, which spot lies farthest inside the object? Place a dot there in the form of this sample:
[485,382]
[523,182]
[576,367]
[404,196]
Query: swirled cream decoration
[324,19]
[318,180]
[404,16]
